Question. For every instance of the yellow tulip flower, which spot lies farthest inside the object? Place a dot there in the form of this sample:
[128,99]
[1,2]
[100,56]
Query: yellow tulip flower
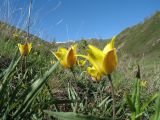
[81,63]
[25,48]
[103,61]
[67,57]
[94,73]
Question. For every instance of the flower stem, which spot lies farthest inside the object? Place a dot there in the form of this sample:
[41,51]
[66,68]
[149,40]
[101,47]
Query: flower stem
[112,90]
[25,63]
[74,77]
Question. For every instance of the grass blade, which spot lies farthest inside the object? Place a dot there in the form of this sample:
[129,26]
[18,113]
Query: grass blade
[35,88]
[72,116]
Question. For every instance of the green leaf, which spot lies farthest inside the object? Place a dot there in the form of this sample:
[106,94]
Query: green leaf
[73,96]
[145,105]
[139,115]
[137,102]
[104,101]
[133,116]
[156,116]
[34,89]
[130,103]
[134,91]
[6,74]
[72,116]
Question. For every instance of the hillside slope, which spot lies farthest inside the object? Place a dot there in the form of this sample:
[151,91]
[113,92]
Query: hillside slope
[142,39]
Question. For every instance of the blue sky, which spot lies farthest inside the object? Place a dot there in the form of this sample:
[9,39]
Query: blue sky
[75,19]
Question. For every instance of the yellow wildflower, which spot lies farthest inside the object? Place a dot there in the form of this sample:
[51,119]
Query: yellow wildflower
[67,57]
[94,73]
[25,48]
[103,61]
[81,63]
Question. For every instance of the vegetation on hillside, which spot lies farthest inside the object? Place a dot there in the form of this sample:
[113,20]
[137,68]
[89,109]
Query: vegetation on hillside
[78,81]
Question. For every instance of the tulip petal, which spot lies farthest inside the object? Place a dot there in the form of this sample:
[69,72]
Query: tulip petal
[63,50]
[74,47]
[60,55]
[94,73]
[109,46]
[95,57]
[20,46]
[70,57]
[29,47]
[110,61]
[113,41]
